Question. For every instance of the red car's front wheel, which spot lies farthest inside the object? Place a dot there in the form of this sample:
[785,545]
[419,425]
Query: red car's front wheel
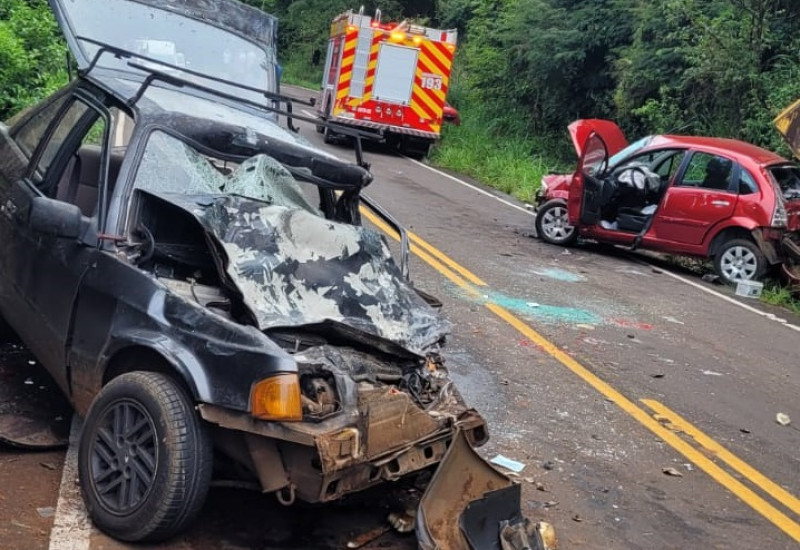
[552,224]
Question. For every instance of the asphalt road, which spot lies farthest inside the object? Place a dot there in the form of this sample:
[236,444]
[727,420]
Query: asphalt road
[641,402]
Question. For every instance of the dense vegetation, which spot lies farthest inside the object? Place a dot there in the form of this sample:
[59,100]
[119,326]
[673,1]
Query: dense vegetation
[526,68]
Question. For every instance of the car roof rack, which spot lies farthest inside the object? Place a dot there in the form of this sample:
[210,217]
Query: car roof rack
[155,74]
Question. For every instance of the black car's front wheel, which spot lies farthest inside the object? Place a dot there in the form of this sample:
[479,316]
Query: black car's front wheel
[145,458]
[552,225]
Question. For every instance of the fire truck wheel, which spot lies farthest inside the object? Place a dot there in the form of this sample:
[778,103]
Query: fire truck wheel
[329,135]
[320,128]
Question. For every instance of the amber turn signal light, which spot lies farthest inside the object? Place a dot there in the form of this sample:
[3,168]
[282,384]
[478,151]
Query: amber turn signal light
[277,398]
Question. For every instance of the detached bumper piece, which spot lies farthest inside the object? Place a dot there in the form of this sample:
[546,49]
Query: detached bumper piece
[471,506]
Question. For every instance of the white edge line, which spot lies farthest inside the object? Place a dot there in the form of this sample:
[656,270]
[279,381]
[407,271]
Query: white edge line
[71,525]
[751,309]
[473,187]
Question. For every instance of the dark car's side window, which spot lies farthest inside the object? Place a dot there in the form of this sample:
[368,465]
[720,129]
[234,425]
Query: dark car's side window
[73,164]
[33,130]
[707,171]
[65,126]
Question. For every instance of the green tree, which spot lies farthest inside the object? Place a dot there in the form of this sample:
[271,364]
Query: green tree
[32,54]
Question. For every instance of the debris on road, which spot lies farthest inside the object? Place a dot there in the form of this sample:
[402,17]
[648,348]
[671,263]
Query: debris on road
[671,472]
[508,464]
[712,373]
[46,512]
[783,419]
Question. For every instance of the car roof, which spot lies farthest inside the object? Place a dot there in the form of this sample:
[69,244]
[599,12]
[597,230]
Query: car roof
[741,151]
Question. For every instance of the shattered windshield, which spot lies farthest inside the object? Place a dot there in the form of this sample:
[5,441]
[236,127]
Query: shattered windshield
[169,165]
[172,38]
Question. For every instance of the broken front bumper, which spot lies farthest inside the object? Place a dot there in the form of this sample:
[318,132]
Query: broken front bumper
[469,505]
[320,462]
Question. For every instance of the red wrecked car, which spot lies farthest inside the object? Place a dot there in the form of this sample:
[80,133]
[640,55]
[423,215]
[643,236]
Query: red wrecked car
[714,198]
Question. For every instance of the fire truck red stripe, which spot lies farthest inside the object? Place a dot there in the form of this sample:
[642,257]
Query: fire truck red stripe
[439,68]
[445,52]
[421,102]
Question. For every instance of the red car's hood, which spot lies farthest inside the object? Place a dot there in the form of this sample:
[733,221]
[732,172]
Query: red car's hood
[609,132]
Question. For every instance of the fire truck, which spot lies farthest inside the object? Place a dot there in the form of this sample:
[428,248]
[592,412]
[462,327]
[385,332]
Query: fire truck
[389,79]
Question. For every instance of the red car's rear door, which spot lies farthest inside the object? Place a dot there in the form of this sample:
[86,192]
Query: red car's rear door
[704,194]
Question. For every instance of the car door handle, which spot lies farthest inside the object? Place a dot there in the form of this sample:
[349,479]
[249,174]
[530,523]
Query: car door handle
[720,203]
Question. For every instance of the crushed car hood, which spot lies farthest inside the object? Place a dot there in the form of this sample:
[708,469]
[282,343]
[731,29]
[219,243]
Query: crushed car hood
[294,268]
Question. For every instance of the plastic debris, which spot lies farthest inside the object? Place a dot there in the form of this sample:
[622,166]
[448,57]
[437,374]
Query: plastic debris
[532,304]
[508,464]
[783,419]
[671,472]
[711,373]
[46,512]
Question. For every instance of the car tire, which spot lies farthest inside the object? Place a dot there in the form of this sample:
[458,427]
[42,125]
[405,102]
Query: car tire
[739,260]
[144,459]
[552,225]
[329,136]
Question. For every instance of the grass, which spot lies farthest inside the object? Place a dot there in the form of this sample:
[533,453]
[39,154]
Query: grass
[777,295]
[508,160]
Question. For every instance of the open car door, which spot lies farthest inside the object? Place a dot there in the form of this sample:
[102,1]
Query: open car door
[586,191]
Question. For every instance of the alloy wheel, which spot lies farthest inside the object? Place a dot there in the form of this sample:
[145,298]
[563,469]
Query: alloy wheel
[738,263]
[124,456]
[555,225]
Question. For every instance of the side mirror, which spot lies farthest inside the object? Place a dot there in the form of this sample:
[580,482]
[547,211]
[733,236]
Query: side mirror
[56,218]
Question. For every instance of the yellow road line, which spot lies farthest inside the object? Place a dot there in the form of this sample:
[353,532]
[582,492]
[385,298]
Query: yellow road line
[416,239]
[767,485]
[745,494]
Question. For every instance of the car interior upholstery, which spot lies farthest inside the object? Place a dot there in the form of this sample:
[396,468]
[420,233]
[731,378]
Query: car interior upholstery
[79,185]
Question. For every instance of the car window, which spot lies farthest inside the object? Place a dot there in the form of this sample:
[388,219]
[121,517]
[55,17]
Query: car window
[747,183]
[65,126]
[31,133]
[708,171]
[788,179]
[667,164]
[170,165]
[628,151]
[74,163]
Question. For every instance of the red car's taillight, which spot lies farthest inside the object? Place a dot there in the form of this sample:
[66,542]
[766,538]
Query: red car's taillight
[779,216]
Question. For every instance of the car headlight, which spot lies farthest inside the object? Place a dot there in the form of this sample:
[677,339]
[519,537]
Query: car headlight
[277,398]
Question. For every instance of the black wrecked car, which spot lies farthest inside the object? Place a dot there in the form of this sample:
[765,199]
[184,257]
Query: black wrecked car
[196,280]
